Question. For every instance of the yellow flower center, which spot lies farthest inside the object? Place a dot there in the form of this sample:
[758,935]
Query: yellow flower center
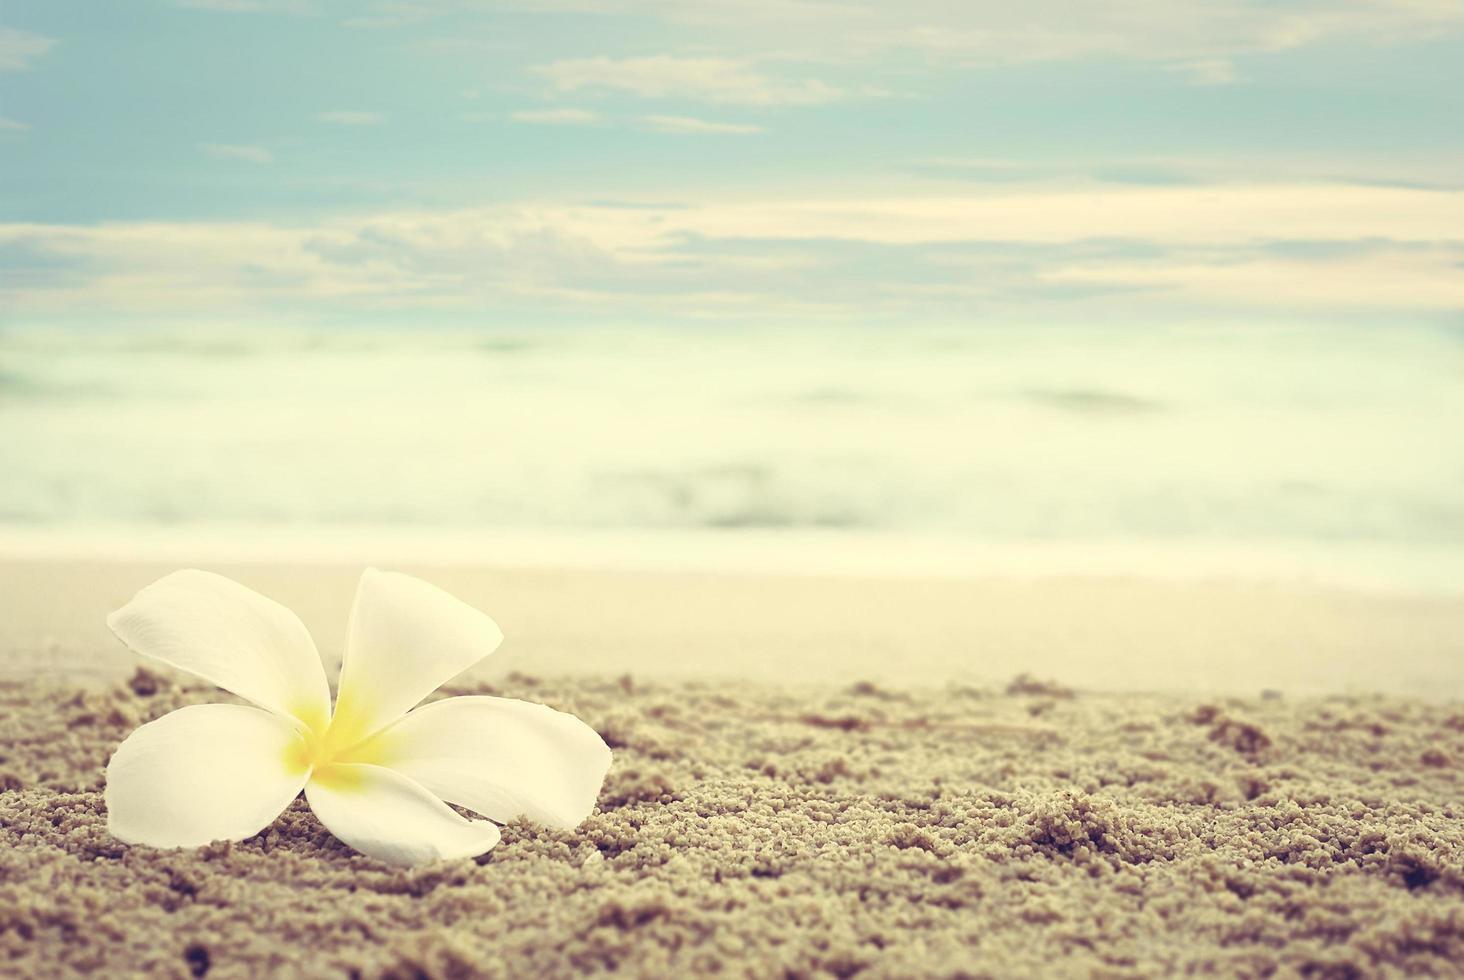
[325,749]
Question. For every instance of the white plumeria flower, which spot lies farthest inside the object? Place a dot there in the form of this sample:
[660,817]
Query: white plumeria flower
[375,772]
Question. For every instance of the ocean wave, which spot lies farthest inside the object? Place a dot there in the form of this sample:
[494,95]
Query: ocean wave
[987,435]
[1090,401]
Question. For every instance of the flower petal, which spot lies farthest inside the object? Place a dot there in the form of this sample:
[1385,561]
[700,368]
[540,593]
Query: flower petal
[202,773]
[406,638]
[500,757]
[219,630]
[385,815]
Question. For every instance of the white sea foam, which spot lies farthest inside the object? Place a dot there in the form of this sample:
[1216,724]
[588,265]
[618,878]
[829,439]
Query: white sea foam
[1247,441]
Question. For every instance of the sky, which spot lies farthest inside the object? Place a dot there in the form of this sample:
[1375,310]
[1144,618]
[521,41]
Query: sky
[779,162]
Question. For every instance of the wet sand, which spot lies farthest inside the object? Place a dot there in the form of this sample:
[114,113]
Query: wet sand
[1096,633]
[748,829]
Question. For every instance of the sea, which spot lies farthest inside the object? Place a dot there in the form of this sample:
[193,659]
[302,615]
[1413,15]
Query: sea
[1332,454]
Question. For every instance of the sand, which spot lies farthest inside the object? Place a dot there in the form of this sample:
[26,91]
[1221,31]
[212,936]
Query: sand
[1097,634]
[750,829]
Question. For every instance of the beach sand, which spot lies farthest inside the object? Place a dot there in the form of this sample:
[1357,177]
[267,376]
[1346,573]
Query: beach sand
[747,830]
[788,800]
[1096,633]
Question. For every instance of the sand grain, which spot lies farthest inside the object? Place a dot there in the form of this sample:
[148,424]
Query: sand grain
[748,831]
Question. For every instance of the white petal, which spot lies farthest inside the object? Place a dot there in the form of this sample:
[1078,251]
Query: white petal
[232,636]
[499,757]
[406,639]
[203,773]
[385,815]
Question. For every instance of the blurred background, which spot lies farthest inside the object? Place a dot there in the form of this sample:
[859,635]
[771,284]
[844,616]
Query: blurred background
[1331,453]
[1155,288]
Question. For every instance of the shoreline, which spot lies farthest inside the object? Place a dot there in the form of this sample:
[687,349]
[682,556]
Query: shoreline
[1093,634]
[1367,567]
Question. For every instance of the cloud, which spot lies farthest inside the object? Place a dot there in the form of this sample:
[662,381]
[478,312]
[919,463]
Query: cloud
[557,117]
[1268,250]
[1398,279]
[722,80]
[13,125]
[19,49]
[689,124]
[237,151]
[1433,170]
[1230,214]
[1209,71]
[986,32]
[349,118]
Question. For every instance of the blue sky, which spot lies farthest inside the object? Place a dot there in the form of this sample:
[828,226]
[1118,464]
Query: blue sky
[782,161]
